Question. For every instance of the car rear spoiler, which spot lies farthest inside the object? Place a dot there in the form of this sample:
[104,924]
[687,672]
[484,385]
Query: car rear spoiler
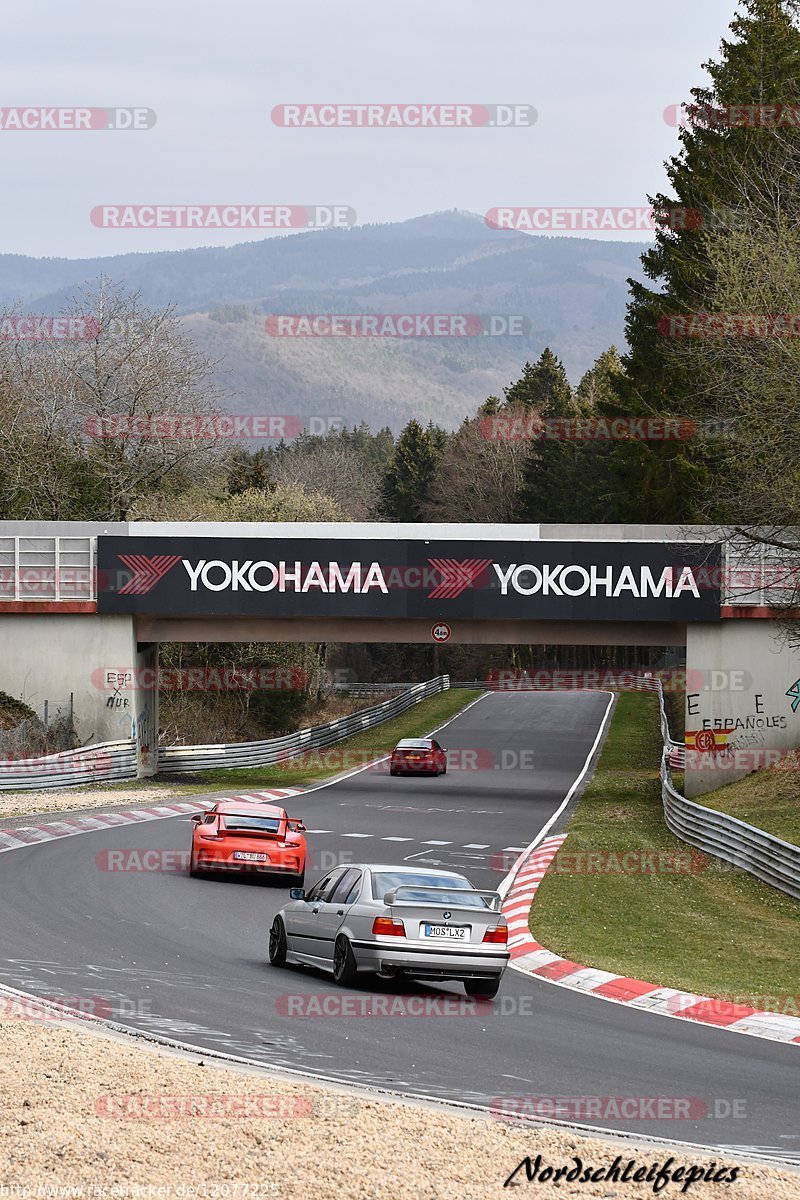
[391,897]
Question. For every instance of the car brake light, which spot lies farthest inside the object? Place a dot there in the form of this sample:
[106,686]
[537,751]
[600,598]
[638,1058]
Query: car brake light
[387,926]
[498,934]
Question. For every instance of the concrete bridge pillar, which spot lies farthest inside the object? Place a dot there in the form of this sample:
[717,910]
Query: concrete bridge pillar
[742,700]
[97,662]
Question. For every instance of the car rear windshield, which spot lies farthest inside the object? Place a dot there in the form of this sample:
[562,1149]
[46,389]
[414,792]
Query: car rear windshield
[249,821]
[413,745]
[385,881]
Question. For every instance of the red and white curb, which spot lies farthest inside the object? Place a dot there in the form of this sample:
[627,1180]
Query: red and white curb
[32,835]
[529,956]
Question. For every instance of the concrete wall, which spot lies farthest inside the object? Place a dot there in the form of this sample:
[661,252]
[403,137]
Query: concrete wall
[45,658]
[742,682]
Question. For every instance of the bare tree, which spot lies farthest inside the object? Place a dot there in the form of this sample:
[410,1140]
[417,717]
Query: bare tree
[118,407]
[336,469]
[480,473]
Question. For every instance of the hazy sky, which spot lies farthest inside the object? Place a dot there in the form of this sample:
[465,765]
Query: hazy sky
[599,75]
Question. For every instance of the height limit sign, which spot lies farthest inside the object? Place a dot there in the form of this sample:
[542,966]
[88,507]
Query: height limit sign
[441,632]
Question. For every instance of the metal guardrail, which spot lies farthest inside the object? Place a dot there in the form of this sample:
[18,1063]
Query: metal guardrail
[89,764]
[371,689]
[117,760]
[260,754]
[761,854]
[536,680]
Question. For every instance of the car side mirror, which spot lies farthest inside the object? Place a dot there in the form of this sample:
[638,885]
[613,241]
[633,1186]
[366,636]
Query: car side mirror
[295,825]
[297,893]
[197,818]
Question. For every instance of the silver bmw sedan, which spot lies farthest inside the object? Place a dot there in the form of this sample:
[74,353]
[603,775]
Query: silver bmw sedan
[395,921]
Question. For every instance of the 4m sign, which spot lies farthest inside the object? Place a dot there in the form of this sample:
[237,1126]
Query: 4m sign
[359,578]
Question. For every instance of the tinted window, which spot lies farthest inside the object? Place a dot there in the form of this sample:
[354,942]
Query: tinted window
[385,881]
[354,890]
[321,890]
[345,885]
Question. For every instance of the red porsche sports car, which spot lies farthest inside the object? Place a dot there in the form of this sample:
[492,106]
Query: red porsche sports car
[418,756]
[233,836]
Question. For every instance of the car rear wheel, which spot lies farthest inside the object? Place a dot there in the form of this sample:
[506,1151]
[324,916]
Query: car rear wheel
[392,771]
[193,870]
[344,962]
[277,943]
[298,880]
[487,988]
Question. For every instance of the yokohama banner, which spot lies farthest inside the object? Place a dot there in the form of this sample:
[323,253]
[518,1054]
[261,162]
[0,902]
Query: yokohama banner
[426,580]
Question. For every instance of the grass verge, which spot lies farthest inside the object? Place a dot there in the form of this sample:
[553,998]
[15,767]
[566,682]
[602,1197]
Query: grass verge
[769,799]
[684,919]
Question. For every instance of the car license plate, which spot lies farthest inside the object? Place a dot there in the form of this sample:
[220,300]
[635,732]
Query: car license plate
[250,856]
[452,933]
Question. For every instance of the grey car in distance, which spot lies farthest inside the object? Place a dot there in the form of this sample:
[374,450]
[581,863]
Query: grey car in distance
[395,921]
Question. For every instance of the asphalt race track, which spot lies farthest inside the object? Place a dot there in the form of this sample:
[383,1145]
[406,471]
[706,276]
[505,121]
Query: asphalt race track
[187,959]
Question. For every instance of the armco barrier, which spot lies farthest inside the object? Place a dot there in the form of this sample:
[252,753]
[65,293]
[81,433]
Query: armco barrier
[770,859]
[117,760]
[261,754]
[107,760]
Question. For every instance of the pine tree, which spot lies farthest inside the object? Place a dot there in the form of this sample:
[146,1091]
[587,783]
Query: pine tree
[543,387]
[551,464]
[410,471]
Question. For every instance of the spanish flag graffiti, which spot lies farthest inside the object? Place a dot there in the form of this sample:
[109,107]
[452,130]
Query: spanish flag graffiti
[707,741]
